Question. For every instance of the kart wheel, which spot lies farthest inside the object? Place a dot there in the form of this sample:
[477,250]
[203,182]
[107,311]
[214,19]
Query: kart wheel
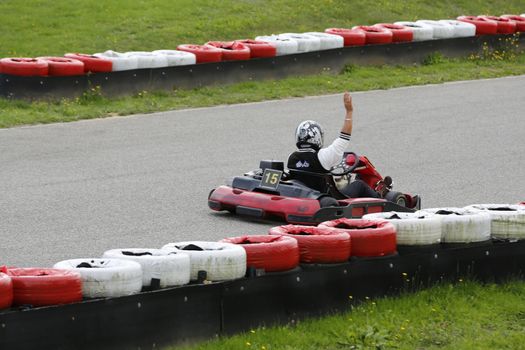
[169,268]
[41,287]
[102,278]
[328,202]
[221,261]
[396,197]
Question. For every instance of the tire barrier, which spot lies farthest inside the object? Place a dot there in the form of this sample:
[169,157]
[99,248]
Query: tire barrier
[376,35]
[119,61]
[271,253]
[461,29]
[165,268]
[221,261]
[24,66]
[203,53]
[399,33]
[92,63]
[103,278]
[352,37]
[259,49]
[370,238]
[508,221]
[284,46]
[519,20]
[146,59]
[62,66]
[177,58]
[421,31]
[43,286]
[317,244]
[483,26]
[305,42]
[328,41]
[440,30]
[413,229]
[6,291]
[231,50]
[460,225]
[505,25]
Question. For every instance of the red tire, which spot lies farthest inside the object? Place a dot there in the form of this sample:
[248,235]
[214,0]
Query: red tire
[369,237]
[41,287]
[505,25]
[63,66]
[203,53]
[399,33]
[271,253]
[520,22]
[259,48]
[92,63]
[352,37]
[23,66]
[376,35]
[231,50]
[317,244]
[6,291]
[483,26]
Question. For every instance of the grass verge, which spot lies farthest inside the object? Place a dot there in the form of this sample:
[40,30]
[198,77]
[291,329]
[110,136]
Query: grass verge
[435,69]
[465,315]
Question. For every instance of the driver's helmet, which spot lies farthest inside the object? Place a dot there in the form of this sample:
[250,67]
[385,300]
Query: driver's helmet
[309,134]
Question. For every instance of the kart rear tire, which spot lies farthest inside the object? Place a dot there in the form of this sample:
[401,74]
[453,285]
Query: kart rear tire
[6,291]
[24,66]
[169,268]
[102,278]
[460,225]
[317,244]
[271,253]
[370,238]
[63,66]
[507,220]
[352,37]
[92,63]
[327,201]
[413,229]
[396,197]
[221,261]
[42,287]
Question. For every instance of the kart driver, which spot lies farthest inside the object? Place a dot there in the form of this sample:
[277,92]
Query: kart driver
[311,157]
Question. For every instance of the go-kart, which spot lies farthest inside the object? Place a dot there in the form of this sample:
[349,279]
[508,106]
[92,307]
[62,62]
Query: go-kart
[302,197]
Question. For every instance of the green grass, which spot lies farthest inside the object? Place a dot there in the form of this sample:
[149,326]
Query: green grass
[354,78]
[42,27]
[466,315]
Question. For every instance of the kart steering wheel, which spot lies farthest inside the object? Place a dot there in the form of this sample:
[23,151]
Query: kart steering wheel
[345,168]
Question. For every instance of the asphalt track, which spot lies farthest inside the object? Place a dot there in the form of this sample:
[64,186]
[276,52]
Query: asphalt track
[77,189]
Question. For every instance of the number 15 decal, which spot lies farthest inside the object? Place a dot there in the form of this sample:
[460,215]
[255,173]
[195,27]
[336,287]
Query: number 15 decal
[271,178]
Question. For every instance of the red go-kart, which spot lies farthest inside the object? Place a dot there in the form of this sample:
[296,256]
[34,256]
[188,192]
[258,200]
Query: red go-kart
[302,197]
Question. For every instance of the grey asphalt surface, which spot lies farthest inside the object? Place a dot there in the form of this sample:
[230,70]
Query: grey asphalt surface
[77,189]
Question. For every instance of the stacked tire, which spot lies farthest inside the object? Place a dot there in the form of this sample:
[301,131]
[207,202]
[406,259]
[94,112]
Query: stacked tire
[6,291]
[203,53]
[483,26]
[231,50]
[421,31]
[507,220]
[319,245]
[376,34]
[351,37]
[440,30]
[23,66]
[283,46]
[400,33]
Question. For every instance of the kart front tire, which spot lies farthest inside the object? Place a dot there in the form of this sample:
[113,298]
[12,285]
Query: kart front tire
[396,197]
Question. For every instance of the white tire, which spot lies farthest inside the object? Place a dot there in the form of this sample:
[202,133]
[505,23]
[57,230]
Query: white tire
[421,31]
[148,59]
[412,229]
[328,41]
[177,58]
[461,29]
[305,42]
[508,220]
[221,261]
[120,61]
[106,277]
[440,30]
[460,225]
[170,268]
[284,46]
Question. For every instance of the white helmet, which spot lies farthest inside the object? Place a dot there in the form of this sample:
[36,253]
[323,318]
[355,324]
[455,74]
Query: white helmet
[309,134]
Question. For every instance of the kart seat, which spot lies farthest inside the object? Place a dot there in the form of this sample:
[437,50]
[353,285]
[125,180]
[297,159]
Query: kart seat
[323,183]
